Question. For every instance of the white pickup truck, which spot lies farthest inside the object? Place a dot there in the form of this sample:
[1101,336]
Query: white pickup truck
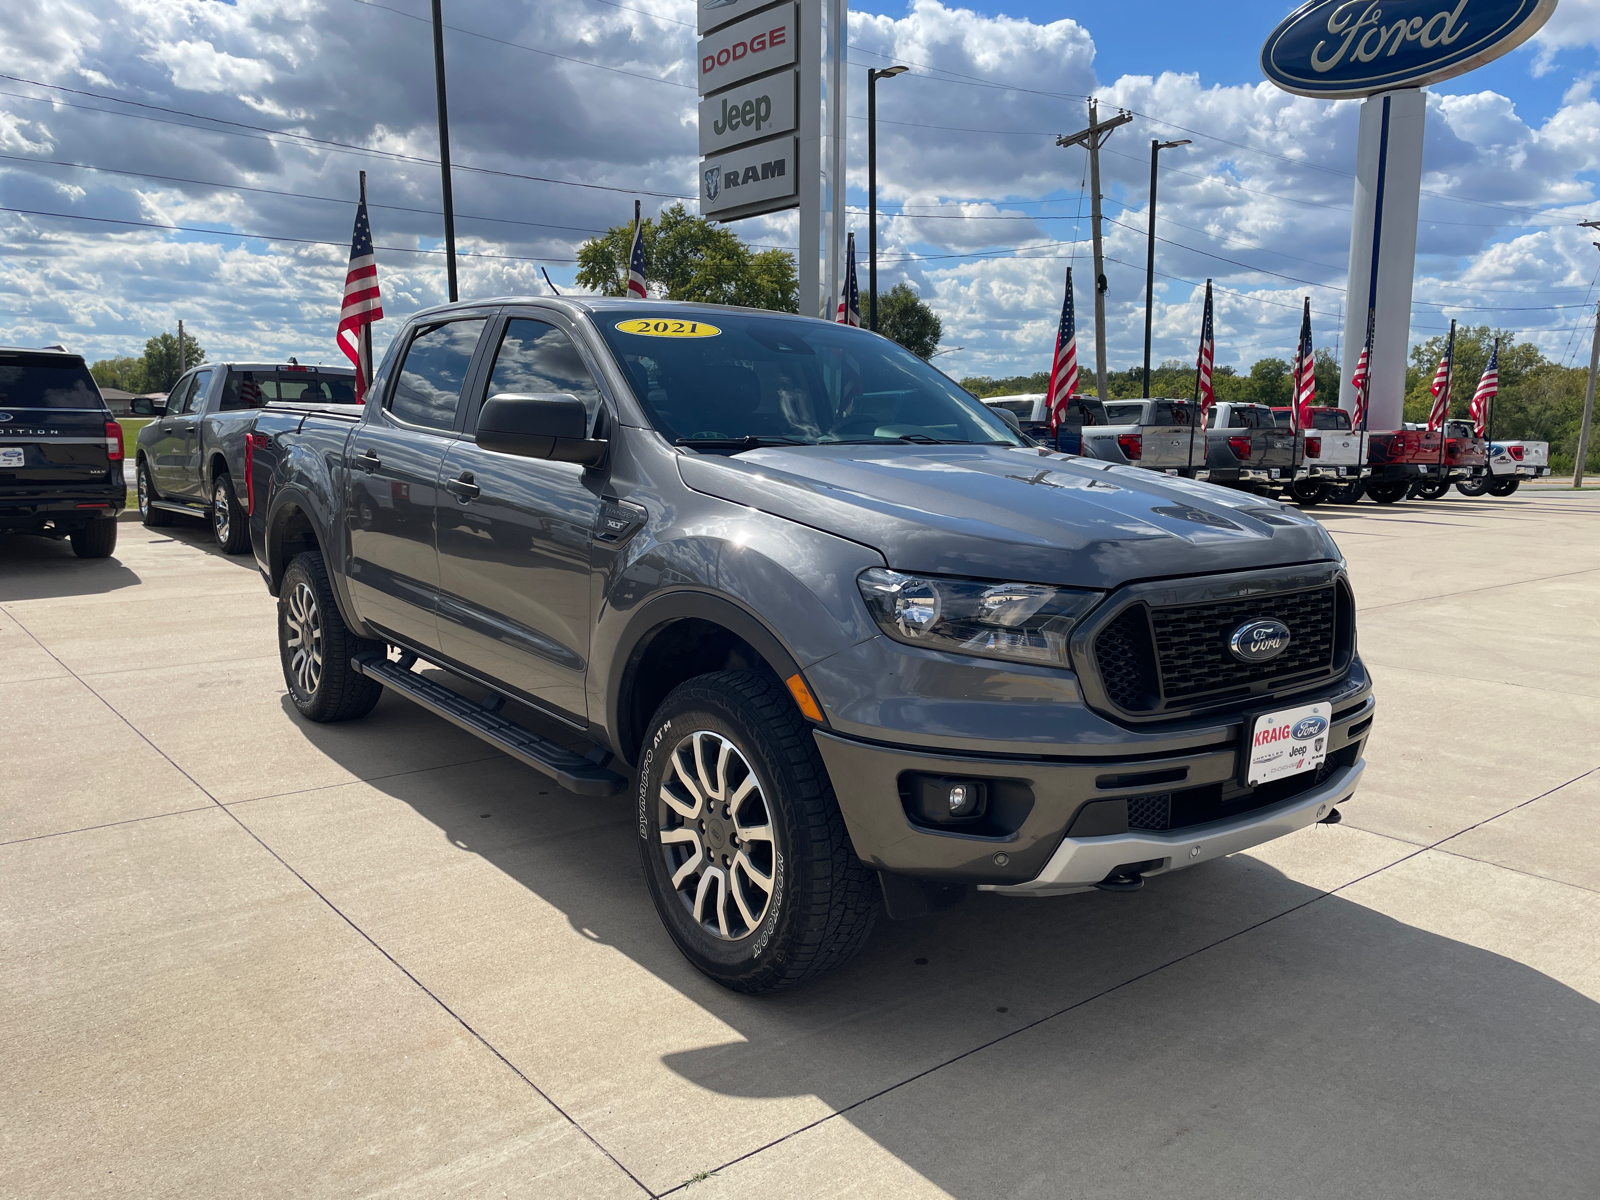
[1332,456]
[1155,434]
[1033,417]
[1509,464]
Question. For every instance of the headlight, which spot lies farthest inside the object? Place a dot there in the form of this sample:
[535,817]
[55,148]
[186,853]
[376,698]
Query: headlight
[1027,622]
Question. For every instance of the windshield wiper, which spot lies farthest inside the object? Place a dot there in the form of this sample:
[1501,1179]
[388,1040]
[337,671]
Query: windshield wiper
[751,442]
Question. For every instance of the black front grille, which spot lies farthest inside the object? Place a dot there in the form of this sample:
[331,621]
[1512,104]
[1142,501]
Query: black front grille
[1127,661]
[1192,642]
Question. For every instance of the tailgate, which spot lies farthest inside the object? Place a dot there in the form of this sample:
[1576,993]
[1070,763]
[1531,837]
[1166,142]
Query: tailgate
[1272,448]
[1166,447]
[50,449]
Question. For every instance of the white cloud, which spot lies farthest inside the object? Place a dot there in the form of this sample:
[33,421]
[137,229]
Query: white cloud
[982,212]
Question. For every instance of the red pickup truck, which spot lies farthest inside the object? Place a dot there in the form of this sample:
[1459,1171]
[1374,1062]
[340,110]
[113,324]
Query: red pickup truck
[1409,461]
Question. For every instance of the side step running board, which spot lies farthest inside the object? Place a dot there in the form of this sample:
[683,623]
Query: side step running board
[568,768]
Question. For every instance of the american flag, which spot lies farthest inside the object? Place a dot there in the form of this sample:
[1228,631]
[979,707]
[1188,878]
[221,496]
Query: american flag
[636,285]
[1204,392]
[1064,367]
[1305,380]
[362,303]
[849,312]
[1441,384]
[1488,388]
[250,391]
[1361,380]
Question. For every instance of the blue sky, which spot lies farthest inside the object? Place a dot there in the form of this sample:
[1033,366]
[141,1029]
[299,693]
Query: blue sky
[599,99]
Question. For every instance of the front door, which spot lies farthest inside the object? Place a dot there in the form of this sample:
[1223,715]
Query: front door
[166,449]
[189,477]
[392,466]
[514,536]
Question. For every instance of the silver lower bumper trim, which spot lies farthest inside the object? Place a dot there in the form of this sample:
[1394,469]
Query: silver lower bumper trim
[1080,863]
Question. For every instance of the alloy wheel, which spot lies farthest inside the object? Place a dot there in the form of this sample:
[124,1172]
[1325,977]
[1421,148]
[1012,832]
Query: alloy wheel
[219,511]
[716,836]
[303,640]
[142,478]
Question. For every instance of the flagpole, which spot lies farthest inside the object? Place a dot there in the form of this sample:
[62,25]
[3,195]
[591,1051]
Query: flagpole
[444,152]
[366,330]
[1195,415]
[1488,417]
[1449,378]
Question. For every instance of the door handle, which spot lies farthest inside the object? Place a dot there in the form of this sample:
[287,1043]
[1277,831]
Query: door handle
[463,487]
[188,428]
[369,460]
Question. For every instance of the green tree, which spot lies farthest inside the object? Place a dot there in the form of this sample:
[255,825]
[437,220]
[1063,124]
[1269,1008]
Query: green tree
[125,373]
[161,369]
[690,258]
[1517,359]
[1327,371]
[904,318]
[1011,385]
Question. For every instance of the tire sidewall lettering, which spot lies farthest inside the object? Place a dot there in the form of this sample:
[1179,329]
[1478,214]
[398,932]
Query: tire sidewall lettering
[771,923]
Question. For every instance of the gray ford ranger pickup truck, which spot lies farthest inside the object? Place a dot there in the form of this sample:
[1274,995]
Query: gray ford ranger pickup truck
[849,644]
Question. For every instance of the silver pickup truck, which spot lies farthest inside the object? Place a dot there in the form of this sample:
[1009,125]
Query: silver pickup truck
[1155,434]
[190,456]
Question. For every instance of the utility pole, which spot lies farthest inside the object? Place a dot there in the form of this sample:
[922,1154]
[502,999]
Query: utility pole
[1092,139]
[1150,259]
[444,152]
[1588,396]
[183,354]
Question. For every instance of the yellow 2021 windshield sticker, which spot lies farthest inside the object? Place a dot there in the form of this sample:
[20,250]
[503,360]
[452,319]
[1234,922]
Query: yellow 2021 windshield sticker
[660,327]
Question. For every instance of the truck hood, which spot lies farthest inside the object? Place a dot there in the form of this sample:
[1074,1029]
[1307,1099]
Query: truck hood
[1016,513]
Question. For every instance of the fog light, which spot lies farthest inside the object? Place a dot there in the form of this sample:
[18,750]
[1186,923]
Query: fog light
[941,800]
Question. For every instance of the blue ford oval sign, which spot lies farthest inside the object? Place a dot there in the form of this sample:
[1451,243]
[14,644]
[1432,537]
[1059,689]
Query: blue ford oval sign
[1259,641]
[1310,727]
[1333,48]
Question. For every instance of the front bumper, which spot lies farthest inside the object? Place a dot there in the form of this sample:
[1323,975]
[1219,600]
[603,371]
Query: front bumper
[1036,800]
[1080,863]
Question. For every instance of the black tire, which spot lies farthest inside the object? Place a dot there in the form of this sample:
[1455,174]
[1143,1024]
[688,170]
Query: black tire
[1388,493]
[230,524]
[1307,493]
[819,902]
[1346,493]
[1433,489]
[1473,487]
[155,518]
[1503,487]
[316,646]
[97,539]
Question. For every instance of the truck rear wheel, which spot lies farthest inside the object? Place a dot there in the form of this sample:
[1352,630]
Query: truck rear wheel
[155,518]
[1473,487]
[1503,487]
[1307,493]
[1434,489]
[97,539]
[316,647]
[745,851]
[229,521]
[1388,493]
[1346,493]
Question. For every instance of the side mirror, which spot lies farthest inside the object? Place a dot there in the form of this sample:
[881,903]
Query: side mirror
[549,425]
[143,406]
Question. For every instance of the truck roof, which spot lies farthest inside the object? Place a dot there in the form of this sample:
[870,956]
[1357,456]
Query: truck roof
[269,366]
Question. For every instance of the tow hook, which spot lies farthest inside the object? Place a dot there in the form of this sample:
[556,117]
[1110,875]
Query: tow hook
[1333,818]
[1130,881]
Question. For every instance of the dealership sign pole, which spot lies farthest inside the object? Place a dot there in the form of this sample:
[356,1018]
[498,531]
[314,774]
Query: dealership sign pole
[772,112]
[1385,52]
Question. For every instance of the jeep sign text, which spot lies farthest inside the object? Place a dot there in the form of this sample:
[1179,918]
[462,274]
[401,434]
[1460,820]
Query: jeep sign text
[743,114]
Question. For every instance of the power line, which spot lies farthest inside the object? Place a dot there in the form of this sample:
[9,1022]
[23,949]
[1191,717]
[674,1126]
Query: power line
[345,147]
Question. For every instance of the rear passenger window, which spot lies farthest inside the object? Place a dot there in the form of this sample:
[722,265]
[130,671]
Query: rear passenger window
[432,375]
[537,357]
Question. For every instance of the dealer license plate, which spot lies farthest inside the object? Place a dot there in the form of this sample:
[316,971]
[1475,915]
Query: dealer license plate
[1273,473]
[1341,472]
[10,456]
[1287,742]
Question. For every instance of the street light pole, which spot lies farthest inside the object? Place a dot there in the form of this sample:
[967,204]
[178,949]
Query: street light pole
[444,152]
[873,75]
[1150,259]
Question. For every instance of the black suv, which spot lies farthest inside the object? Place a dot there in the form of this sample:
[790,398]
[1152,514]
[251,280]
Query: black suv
[60,452]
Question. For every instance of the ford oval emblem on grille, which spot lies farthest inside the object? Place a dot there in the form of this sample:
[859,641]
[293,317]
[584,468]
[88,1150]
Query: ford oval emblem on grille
[5,417]
[1259,641]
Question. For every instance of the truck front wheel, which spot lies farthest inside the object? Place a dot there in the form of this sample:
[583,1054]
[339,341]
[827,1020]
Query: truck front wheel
[1503,487]
[1307,493]
[1476,486]
[745,851]
[153,517]
[1433,489]
[316,647]
[1388,493]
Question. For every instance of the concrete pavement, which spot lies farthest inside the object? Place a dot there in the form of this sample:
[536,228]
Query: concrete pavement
[241,955]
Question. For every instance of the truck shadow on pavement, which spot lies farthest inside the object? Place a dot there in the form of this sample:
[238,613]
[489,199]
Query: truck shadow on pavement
[36,568]
[1226,1032]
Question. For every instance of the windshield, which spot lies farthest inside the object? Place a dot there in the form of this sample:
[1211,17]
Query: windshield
[46,381]
[735,377]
